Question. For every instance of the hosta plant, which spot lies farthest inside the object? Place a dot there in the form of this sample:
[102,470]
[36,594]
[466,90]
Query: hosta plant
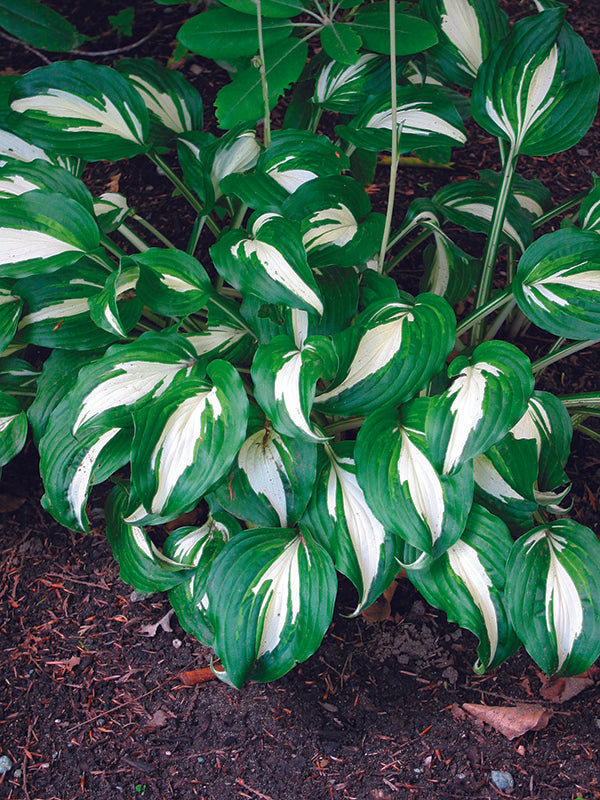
[286,387]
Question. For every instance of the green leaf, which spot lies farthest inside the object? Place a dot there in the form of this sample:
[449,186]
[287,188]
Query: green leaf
[80,109]
[340,42]
[277,9]
[270,262]
[186,439]
[407,493]
[10,311]
[468,583]
[342,521]
[553,591]
[589,210]
[39,26]
[539,88]
[18,177]
[113,309]
[13,428]
[340,87]
[171,282]
[391,352]
[242,99]
[413,35]
[122,22]
[110,211]
[225,34]
[449,271]
[42,231]
[557,285]
[270,595]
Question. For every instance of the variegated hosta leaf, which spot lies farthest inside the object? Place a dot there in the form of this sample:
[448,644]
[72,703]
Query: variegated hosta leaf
[18,177]
[111,210]
[390,354]
[472,203]
[340,87]
[270,601]
[496,491]
[42,231]
[114,310]
[468,583]
[186,439]
[270,262]
[271,480]
[58,308]
[13,146]
[207,161]
[553,596]
[539,88]
[449,271]
[557,285]
[589,210]
[531,195]
[170,99]
[19,378]
[403,487]
[171,281]
[198,547]
[483,402]
[336,221]
[469,31]
[10,311]
[80,109]
[426,120]
[285,378]
[342,521]
[13,428]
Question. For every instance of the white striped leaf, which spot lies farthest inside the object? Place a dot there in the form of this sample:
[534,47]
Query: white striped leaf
[272,479]
[10,311]
[340,87]
[270,262]
[57,309]
[472,203]
[18,177]
[390,354]
[13,428]
[483,402]
[114,309]
[13,146]
[411,498]
[111,210]
[172,101]
[469,30]
[285,378]
[42,231]
[80,109]
[539,88]
[336,221]
[557,285]
[270,601]
[589,210]
[171,282]
[186,439]
[19,378]
[531,195]
[426,119]
[496,491]
[468,583]
[449,271]
[553,596]
[342,521]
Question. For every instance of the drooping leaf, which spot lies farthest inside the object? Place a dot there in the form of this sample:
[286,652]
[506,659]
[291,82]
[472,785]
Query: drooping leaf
[39,26]
[341,42]
[171,282]
[372,23]
[340,87]
[13,428]
[10,311]
[18,177]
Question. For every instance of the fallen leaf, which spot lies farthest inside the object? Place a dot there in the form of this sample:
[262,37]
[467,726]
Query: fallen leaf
[113,185]
[157,720]
[65,663]
[510,721]
[183,520]
[163,622]
[559,690]
[194,676]
[457,712]
[382,607]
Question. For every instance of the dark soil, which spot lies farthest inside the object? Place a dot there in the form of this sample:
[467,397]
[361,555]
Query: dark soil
[92,703]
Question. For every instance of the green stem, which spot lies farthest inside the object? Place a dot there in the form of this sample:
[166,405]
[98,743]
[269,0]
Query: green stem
[394,159]
[238,319]
[493,242]
[239,217]
[351,424]
[588,432]
[113,248]
[263,77]
[568,204]
[195,234]
[479,314]
[187,193]
[132,238]
[422,237]
[500,320]
[564,352]
[151,229]
[582,400]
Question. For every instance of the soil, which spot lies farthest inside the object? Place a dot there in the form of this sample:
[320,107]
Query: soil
[92,698]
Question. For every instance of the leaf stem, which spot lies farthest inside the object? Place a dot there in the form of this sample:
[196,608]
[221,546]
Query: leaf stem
[154,231]
[263,77]
[237,317]
[132,237]
[422,237]
[480,313]
[199,223]
[564,352]
[395,134]
[568,204]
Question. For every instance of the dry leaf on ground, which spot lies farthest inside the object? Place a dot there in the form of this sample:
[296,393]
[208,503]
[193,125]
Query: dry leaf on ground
[163,622]
[510,721]
[559,690]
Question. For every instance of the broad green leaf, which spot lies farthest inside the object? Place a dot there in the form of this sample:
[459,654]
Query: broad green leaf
[13,428]
[557,285]
[270,262]
[18,177]
[390,354]
[272,479]
[340,87]
[242,99]
[39,26]
[468,583]
[341,42]
[221,33]
[42,231]
[413,35]
[171,281]
[589,210]
[110,211]
[531,195]
[407,493]
[553,596]
[186,439]
[449,271]
[487,396]
[80,109]
[342,521]
[285,378]
[270,601]
[10,311]
[469,30]
[276,9]
[19,379]
[13,146]
[113,309]
[539,87]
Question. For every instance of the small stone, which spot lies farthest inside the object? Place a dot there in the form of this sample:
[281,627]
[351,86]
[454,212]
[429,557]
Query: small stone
[460,776]
[418,771]
[18,773]
[503,780]
[597,722]
[177,643]
[136,597]
[5,764]
[100,721]
[200,760]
